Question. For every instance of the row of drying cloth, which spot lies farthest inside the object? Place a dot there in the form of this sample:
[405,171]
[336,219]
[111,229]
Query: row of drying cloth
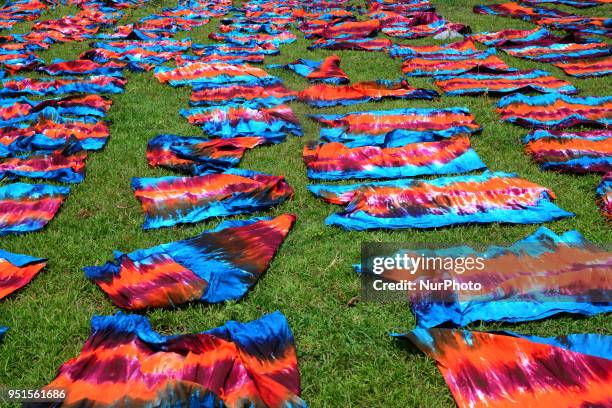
[567,275]
[549,17]
[253,363]
[49,139]
[18,51]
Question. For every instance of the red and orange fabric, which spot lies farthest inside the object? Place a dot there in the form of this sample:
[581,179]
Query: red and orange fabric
[17,270]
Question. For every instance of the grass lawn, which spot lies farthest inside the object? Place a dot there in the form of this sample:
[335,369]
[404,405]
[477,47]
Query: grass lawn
[346,357]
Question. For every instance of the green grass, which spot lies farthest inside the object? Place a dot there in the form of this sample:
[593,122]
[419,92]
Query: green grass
[346,357]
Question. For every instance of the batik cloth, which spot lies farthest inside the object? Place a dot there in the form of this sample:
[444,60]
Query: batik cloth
[16,271]
[125,362]
[577,152]
[337,161]
[323,95]
[485,369]
[169,201]
[196,155]
[480,199]
[28,207]
[555,110]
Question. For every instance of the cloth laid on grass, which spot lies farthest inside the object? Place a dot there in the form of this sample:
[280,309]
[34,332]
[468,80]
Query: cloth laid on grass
[542,45]
[22,109]
[580,24]
[520,11]
[459,47]
[234,50]
[169,201]
[327,71]
[512,38]
[355,44]
[577,152]
[346,29]
[557,19]
[444,122]
[52,134]
[417,24]
[236,120]
[453,64]
[214,74]
[29,207]
[17,270]
[82,67]
[137,59]
[237,364]
[95,84]
[604,195]
[3,331]
[503,82]
[542,275]
[561,52]
[485,369]
[187,59]
[215,266]
[196,155]
[486,198]
[337,161]
[66,165]
[572,3]
[323,95]
[588,68]
[555,110]
[252,95]
[18,61]
[286,37]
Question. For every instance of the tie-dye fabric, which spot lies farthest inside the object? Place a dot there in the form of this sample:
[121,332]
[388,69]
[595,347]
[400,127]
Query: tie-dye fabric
[323,95]
[555,110]
[234,50]
[487,198]
[355,125]
[346,29]
[511,38]
[3,331]
[16,271]
[216,266]
[66,166]
[580,24]
[337,161]
[577,152]
[235,120]
[83,67]
[411,51]
[97,84]
[419,25]
[604,195]
[542,275]
[235,365]
[561,52]
[503,83]
[572,3]
[214,74]
[169,201]
[327,71]
[354,44]
[196,155]
[588,68]
[485,370]
[453,64]
[254,96]
[523,12]
[22,109]
[29,207]
[52,134]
